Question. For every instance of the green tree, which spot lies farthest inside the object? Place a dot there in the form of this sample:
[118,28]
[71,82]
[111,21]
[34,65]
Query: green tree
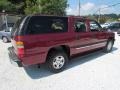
[7,6]
[32,7]
[19,5]
[49,7]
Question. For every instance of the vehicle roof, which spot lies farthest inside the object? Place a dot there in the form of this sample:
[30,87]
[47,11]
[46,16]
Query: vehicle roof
[82,17]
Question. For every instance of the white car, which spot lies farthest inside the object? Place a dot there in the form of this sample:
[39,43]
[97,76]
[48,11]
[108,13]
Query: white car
[105,25]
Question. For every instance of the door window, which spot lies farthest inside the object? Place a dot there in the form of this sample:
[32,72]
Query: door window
[94,26]
[80,26]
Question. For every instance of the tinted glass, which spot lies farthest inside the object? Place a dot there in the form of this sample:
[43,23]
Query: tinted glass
[45,24]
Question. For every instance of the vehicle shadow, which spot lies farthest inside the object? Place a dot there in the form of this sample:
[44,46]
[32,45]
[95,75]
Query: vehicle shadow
[87,57]
[36,73]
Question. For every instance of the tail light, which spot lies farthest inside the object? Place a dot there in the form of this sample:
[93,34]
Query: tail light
[20,48]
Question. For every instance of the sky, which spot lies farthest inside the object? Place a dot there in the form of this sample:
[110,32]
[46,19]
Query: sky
[92,7]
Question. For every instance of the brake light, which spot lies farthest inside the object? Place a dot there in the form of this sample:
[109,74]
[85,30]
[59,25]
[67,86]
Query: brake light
[20,48]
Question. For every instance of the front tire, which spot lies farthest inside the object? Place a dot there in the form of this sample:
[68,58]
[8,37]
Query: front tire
[109,46]
[57,61]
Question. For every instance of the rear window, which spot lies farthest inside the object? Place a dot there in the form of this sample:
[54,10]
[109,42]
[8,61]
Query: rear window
[45,24]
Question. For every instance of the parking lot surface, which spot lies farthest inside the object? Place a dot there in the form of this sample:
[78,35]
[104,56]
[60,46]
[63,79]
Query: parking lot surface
[97,71]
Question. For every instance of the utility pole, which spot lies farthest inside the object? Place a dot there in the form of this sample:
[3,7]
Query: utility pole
[99,17]
[79,8]
[5,19]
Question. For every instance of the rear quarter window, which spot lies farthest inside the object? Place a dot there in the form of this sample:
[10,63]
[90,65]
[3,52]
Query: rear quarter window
[46,24]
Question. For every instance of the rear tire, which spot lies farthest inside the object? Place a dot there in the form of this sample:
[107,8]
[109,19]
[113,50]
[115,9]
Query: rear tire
[5,39]
[109,46]
[57,61]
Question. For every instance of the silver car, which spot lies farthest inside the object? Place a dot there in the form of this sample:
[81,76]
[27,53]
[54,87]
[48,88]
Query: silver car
[5,32]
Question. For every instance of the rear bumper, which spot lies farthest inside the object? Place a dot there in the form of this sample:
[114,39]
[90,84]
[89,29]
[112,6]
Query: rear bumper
[13,58]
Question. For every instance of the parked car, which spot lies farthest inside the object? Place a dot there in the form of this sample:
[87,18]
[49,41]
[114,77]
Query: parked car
[53,40]
[114,27]
[5,32]
[105,25]
[118,32]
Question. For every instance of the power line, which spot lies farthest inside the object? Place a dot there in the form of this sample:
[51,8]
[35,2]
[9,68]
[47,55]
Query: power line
[110,6]
[107,7]
[99,10]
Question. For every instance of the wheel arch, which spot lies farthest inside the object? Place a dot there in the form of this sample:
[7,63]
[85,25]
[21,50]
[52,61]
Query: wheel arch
[111,39]
[63,48]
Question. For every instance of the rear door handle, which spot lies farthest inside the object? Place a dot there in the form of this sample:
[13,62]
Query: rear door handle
[77,37]
[94,36]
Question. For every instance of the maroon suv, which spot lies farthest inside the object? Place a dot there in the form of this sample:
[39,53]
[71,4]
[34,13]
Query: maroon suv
[53,40]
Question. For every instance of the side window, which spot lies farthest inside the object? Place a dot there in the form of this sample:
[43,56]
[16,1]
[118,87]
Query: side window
[38,25]
[94,26]
[43,24]
[80,26]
